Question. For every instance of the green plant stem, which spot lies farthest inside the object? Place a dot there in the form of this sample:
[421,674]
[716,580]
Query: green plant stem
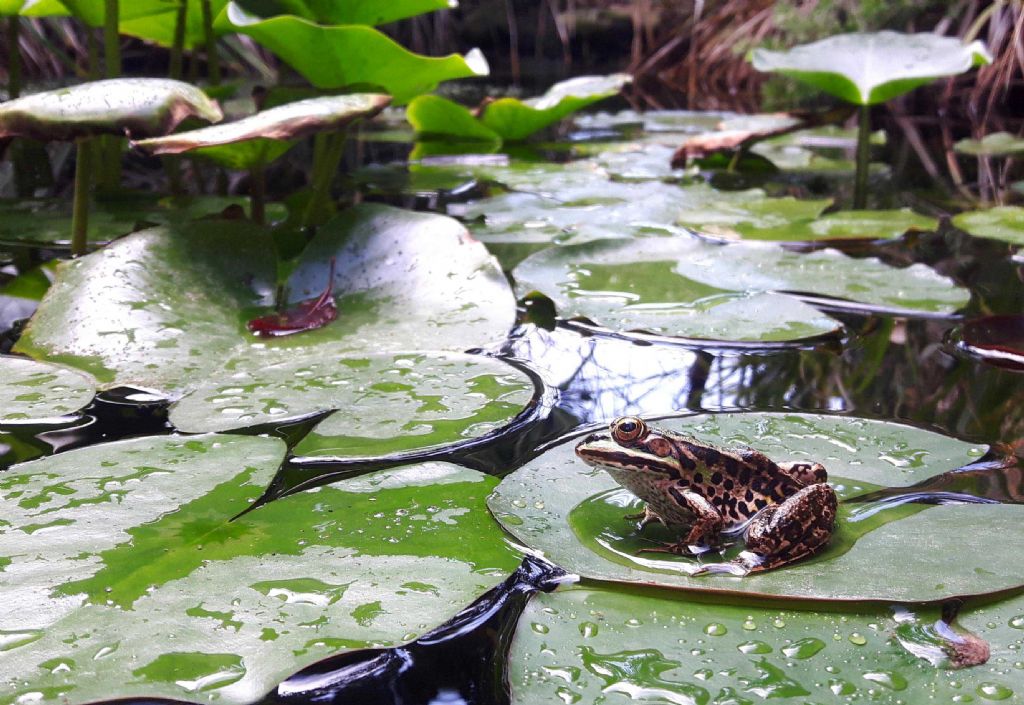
[80,208]
[178,45]
[210,43]
[257,194]
[324,169]
[860,187]
[109,178]
[14,60]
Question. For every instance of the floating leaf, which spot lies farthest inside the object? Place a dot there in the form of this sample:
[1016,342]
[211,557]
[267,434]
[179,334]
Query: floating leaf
[387,403]
[890,552]
[35,390]
[786,219]
[871,68]
[675,286]
[265,136]
[588,644]
[998,340]
[997,144]
[343,56]
[1004,223]
[166,307]
[120,563]
[137,106]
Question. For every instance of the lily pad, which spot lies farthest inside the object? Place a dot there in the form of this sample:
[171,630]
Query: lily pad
[341,56]
[676,287]
[121,565]
[591,645]
[160,28]
[997,144]
[137,106]
[871,68]
[387,403]
[167,307]
[434,116]
[886,552]
[786,219]
[1004,223]
[35,390]
[265,136]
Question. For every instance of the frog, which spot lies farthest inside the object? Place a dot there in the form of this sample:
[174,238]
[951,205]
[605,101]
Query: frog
[784,511]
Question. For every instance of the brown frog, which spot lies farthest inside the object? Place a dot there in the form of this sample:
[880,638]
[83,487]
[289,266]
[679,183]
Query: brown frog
[786,510]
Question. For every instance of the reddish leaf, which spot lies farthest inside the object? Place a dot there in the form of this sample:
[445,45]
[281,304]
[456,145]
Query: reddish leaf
[998,340]
[305,315]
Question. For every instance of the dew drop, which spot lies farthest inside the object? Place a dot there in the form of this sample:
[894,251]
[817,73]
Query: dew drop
[715,629]
[887,679]
[804,648]
[994,691]
[539,628]
[588,629]
[750,625]
[858,639]
[754,647]
[1017,622]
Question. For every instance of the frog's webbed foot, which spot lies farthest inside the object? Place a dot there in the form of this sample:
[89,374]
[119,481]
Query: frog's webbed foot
[644,518]
[679,548]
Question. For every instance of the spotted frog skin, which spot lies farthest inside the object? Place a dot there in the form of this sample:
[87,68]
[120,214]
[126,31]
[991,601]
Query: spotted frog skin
[786,510]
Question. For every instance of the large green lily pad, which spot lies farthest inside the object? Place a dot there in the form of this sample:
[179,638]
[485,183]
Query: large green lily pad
[894,553]
[677,286]
[592,646]
[780,219]
[124,578]
[997,144]
[871,68]
[265,136]
[342,56]
[35,390]
[386,403]
[167,307]
[1004,223]
[137,106]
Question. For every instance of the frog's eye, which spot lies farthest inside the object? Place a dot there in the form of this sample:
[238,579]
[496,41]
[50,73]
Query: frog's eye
[628,429]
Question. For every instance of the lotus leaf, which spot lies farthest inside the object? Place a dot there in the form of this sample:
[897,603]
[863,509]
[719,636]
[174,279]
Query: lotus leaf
[1004,223]
[166,307]
[137,106]
[371,12]
[434,116]
[871,68]
[121,565]
[343,56]
[888,551]
[586,644]
[675,286]
[388,403]
[93,12]
[35,390]
[751,219]
[997,144]
[160,28]
[265,136]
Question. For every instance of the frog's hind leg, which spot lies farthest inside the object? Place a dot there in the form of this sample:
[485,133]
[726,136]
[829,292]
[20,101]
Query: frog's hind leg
[805,473]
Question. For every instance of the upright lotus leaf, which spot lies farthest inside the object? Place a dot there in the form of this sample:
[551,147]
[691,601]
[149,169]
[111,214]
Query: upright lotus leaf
[591,645]
[341,56]
[35,390]
[677,287]
[371,12]
[32,8]
[1004,223]
[265,136]
[387,403]
[123,576]
[167,307]
[511,119]
[997,144]
[889,551]
[93,12]
[138,106]
[160,28]
[871,68]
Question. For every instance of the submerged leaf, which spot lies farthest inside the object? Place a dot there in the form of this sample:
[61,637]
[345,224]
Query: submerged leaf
[871,68]
[305,315]
[136,106]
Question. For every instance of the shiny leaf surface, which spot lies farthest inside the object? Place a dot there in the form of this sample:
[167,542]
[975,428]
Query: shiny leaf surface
[35,390]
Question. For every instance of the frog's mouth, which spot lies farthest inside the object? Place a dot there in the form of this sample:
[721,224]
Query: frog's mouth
[600,451]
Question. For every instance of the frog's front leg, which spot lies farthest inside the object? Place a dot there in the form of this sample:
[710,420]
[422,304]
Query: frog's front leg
[706,526]
[644,518]
[782,533]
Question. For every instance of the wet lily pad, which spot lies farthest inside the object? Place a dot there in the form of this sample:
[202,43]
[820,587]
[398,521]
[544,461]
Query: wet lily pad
[998,340]
[786,219]
[167,307]
[265,136]
[35,390]
[121,565]
[888,552]
[1004,223]
[676,287]
[591,645]
[387,403]
[137,106]
[997,144]
[434,116]
[340,56]
[871,68]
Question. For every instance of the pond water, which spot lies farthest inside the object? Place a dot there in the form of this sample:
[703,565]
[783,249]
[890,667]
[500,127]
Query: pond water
[866,334]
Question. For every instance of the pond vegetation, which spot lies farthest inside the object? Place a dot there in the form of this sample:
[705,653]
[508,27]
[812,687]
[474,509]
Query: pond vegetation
[289,401]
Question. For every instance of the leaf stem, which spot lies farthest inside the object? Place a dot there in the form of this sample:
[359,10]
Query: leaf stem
[258,194]
[110,166]
[210,43]
[80,209]
[860,187]
[14,60]
[324,170]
